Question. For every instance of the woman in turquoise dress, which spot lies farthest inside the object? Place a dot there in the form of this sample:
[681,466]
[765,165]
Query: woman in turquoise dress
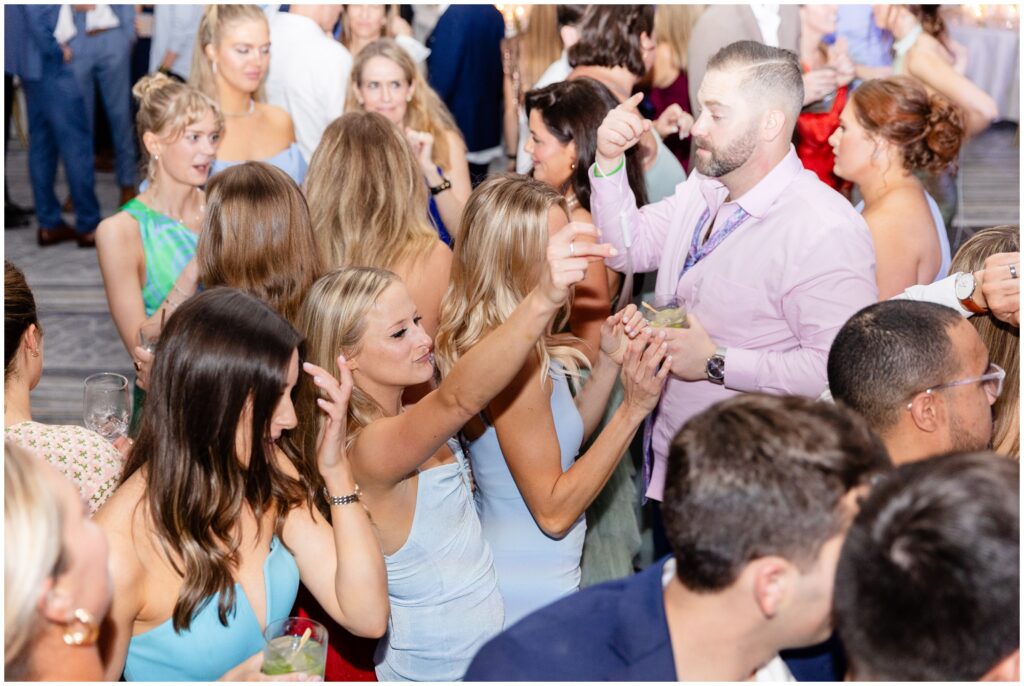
[213,528]
[230,60]
[532,492]
[146,250]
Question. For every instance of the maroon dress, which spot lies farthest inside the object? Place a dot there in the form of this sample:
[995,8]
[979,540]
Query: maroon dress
[676,92]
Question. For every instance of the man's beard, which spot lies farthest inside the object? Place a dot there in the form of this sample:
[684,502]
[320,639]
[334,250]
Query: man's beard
[721,162]
[965,437]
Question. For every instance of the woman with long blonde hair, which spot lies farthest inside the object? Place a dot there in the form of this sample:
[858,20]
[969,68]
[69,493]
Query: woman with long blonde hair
[1001,339]
[412,477]
[363,24]
[385,80]
[368,206]
[230,60]
[532,492]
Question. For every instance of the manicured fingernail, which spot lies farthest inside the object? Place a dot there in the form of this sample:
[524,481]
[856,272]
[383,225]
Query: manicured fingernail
[321,402]
[317,380]
[613,252]
[307,365]
[341,358]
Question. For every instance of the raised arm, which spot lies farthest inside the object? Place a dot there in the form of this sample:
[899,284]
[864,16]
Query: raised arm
[978,107]
[410,438]
[351,585]
[612,202]
[529,441]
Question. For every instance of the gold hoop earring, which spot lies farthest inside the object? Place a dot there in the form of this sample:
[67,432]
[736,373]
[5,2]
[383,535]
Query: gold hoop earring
[35,353]
[82,629]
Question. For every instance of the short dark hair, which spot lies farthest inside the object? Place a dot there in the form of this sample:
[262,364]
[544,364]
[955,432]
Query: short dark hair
[573,111]
[927,587]
[610,37]
[759,475]
[772,73]
[889,351]
[569,15]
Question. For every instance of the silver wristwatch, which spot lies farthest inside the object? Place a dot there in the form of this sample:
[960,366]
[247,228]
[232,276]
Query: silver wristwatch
[715,367]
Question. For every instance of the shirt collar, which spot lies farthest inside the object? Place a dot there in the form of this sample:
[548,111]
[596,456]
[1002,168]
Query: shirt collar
[758,200]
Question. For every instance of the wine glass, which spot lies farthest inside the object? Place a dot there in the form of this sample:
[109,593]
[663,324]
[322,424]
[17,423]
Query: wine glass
[107,405]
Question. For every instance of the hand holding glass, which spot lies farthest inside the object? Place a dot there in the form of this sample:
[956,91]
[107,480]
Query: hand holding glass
[664,311]
[107,405]
[295,645]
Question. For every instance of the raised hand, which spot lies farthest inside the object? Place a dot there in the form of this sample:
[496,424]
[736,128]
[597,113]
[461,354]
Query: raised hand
[618,329]
[330,446]
[567,260]
[422,144]
[674,120]
[620,131]
[818,84]
[999,289]
[641,379]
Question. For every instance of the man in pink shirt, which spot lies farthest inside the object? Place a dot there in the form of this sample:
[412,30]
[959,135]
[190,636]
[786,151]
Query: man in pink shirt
[768,261]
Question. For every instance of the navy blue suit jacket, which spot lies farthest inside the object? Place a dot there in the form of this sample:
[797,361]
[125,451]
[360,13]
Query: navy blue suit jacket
[464,68]
[615,631]
[29,41]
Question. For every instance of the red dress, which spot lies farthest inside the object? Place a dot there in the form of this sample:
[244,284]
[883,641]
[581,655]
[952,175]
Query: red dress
[812,133]
[349,658]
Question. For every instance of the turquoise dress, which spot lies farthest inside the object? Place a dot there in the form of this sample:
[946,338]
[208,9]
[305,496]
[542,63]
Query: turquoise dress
[208,649]
[289,160]
[442,587]
[533,568]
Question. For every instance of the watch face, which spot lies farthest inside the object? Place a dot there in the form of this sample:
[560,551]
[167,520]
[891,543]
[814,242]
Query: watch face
[716,368]
[964,286]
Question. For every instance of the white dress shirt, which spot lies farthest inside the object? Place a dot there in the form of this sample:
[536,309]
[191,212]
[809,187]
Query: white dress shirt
[768,20]
[309,73]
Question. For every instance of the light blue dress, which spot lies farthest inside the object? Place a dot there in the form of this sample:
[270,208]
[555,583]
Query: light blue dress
[533,568]
[940,229]
[289,160]
[443,590]
[208,649]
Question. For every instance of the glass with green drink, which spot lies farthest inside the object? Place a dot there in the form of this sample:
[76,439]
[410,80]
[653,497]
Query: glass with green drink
[295,645]
[664,311]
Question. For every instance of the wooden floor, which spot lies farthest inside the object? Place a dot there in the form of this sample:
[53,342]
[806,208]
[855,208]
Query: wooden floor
[80,338]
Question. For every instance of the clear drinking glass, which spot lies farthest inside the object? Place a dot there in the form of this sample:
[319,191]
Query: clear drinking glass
[107,405]
[664,311]
[295,644]
[149,334]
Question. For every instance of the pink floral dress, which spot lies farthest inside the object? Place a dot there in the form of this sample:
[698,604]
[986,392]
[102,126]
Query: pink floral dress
[91,462]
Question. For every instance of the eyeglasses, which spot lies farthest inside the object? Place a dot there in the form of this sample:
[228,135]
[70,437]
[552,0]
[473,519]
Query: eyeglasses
[991,381]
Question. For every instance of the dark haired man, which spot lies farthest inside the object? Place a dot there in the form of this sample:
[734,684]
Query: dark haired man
[767,260]
[928,581]
[919,374]
[760,492]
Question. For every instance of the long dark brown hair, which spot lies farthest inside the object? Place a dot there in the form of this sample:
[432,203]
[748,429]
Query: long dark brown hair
[219,352]
[573,111]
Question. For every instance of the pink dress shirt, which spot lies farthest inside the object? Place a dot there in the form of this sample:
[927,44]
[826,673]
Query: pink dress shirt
[774,293]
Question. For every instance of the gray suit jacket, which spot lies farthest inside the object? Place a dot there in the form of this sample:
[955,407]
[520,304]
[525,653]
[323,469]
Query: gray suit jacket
[720,25]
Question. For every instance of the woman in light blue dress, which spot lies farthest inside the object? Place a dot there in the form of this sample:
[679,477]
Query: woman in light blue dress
[211,529]
[442,587]
[889,130]
[230,59]
[532,492]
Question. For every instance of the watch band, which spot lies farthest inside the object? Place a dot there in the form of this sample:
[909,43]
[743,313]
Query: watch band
[342,499]
[971,306]
[444,185]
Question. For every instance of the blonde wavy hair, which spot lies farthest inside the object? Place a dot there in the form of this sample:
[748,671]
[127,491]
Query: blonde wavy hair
[498,260]
[1001,339]
[333,320]
[216,18]
[166,108]
[425,112]
[33,553]
[366,194]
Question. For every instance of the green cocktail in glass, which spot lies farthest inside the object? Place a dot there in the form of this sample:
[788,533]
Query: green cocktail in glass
[295,644]
[665,312]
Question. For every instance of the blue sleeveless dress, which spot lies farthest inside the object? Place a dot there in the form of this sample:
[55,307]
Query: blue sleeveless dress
[443,590]
[289,160]
[209,649]
[940,229]
[533,569]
